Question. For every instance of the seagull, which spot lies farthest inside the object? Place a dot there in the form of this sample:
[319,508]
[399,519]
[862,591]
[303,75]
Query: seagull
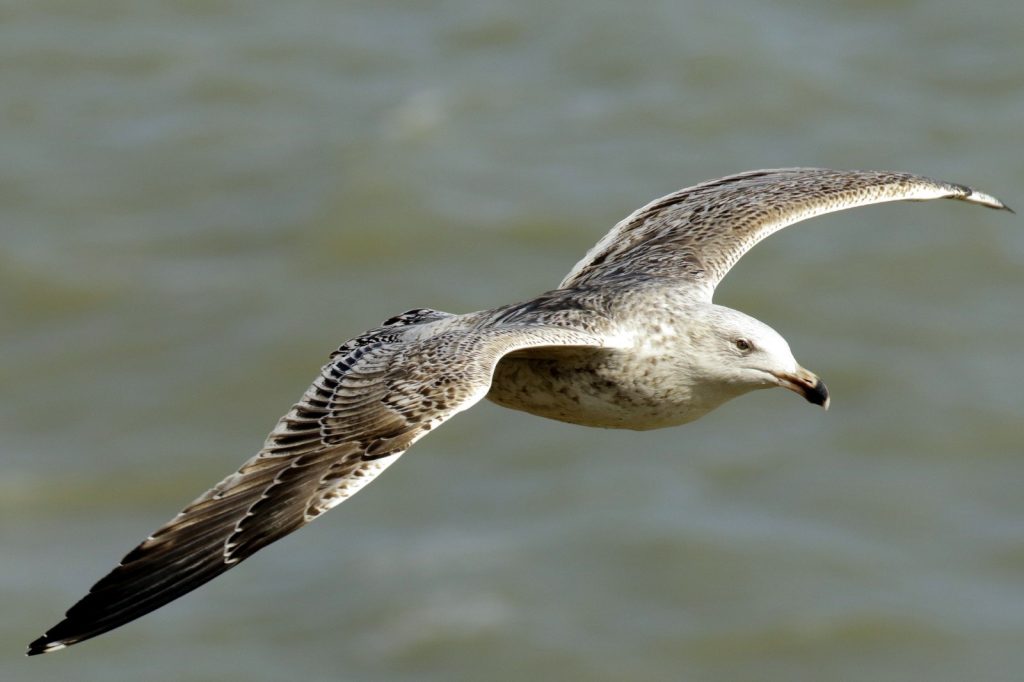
[630,339]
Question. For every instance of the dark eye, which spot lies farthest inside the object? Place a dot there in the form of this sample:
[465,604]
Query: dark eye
[744,346]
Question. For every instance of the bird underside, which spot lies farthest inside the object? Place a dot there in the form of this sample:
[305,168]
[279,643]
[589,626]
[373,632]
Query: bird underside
[593,387]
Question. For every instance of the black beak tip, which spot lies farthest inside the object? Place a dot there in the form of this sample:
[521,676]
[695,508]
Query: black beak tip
[818,394]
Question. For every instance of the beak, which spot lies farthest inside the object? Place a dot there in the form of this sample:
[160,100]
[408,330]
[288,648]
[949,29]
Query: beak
[806,384]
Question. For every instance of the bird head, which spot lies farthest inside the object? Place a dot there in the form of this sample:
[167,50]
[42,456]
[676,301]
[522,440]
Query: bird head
[744,354]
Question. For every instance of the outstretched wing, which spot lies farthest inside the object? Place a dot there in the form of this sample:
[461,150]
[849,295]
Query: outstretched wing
[380,393]
[699,233]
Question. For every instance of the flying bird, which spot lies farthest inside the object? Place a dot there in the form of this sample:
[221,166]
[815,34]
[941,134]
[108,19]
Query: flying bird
[630,339]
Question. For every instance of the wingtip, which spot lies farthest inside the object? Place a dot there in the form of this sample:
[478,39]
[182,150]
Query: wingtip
[975,197]
[43,645]
[988,201]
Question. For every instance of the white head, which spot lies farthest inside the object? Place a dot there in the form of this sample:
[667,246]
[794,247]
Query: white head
[735,354]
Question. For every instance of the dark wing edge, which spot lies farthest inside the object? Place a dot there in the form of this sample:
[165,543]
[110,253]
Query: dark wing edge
[369,404]
[699,232]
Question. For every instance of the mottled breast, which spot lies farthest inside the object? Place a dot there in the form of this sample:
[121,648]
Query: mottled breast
[593,387]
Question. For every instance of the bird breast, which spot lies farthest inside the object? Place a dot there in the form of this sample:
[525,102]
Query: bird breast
[597,387]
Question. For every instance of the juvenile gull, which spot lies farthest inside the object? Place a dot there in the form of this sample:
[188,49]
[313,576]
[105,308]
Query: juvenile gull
[630,339]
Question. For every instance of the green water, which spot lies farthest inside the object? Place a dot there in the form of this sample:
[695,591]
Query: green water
[200,199]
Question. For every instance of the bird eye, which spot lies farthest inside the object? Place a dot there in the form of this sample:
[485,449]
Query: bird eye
[744,346]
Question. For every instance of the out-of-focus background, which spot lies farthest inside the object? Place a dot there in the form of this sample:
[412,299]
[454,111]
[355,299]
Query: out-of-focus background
[200,199]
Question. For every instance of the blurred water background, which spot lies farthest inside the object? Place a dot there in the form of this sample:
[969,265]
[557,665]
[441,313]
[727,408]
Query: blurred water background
[199,199]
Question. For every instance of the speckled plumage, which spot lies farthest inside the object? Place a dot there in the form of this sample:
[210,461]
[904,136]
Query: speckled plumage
[630,339]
